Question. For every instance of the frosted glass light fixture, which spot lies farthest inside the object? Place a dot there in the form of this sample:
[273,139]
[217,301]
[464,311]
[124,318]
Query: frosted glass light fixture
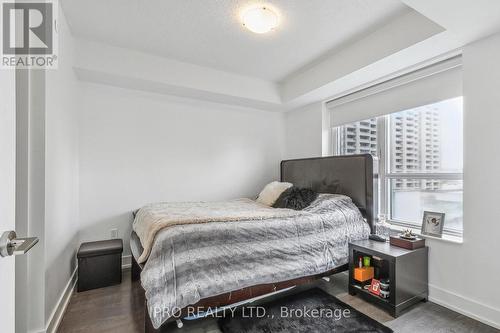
[260,19]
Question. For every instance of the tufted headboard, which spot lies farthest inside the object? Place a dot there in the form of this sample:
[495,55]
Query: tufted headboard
[351,175]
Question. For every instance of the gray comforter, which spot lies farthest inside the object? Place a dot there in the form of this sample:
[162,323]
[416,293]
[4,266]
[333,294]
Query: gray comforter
[194,261]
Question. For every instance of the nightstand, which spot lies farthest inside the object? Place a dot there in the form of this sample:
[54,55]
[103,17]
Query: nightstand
[406,269]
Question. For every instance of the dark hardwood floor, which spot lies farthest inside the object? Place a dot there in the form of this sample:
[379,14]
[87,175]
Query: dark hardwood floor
[118,308]
[121,309]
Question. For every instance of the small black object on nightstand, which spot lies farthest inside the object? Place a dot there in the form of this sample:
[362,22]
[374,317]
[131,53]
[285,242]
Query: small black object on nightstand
[403,272]
[99,264]
[377,238]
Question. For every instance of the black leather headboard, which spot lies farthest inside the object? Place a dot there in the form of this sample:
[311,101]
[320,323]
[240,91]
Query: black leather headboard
[351,175]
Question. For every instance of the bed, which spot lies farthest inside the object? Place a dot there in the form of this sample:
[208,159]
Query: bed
[234,262]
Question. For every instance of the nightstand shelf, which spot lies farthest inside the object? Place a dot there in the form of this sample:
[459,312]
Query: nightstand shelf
[406,269]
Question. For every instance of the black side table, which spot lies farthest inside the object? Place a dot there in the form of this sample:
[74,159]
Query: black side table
[406,269]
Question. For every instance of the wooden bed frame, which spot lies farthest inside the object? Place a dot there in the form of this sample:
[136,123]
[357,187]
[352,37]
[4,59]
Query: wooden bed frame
[349,175]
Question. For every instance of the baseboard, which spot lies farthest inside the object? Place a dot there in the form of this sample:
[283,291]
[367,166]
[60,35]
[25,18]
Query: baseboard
[466,306]
[58,312]
[126,262]
[62,303]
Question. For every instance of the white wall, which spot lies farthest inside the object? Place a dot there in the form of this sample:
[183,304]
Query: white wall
[138,147]
[61,171]
[458,273]
[303,132]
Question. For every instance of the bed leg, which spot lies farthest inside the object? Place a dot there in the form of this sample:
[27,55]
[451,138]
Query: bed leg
[136,270]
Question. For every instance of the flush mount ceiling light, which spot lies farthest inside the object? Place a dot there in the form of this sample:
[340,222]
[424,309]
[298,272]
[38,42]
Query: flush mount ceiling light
[260,19]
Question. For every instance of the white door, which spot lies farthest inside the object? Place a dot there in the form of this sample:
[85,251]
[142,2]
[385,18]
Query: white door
[7,194]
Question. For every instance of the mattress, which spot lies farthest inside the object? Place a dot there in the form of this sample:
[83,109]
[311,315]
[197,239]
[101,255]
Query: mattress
[197,261]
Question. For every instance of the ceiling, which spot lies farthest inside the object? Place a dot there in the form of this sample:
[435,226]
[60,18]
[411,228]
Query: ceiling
[208,33]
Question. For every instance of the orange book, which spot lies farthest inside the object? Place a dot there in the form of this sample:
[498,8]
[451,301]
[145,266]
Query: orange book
[363,274]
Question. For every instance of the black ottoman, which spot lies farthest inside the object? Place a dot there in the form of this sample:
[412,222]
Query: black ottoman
[99,264]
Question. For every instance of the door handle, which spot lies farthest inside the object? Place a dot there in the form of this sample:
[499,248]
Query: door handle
[11,245]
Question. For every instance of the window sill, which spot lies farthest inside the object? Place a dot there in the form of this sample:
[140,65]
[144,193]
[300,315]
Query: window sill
[446,238]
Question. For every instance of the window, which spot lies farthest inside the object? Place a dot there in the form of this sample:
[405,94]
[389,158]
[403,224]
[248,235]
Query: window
[420,153]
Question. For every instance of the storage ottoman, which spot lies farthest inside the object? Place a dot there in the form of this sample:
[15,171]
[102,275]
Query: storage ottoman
[99,264]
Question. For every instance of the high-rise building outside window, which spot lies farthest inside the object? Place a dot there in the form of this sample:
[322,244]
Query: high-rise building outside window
[421,160]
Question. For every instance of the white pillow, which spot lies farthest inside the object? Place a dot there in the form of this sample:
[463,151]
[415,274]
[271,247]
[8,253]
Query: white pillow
[272,192]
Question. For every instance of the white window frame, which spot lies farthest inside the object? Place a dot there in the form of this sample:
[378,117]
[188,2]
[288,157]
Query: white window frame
[384,175]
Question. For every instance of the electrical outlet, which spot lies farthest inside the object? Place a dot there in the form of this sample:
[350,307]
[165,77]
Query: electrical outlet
[114,233]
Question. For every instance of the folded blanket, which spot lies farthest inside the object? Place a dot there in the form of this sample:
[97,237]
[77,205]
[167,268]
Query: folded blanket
[152,218]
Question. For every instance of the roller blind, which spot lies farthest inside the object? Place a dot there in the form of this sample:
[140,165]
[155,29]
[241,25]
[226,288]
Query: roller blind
[428,85]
